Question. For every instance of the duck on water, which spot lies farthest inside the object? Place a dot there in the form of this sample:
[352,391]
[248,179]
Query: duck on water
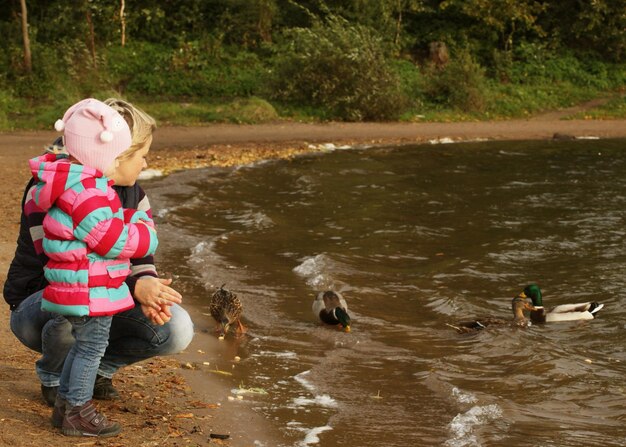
[538,313]
[331,308]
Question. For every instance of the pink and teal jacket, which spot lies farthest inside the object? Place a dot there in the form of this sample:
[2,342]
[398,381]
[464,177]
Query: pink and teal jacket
[88,237]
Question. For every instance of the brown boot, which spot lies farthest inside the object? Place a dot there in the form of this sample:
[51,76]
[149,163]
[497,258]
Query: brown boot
[85,420]
[103,389]
[58,413]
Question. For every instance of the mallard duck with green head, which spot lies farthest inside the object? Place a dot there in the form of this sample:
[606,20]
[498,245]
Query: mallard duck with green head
[331,308]
[226,309]
[563,312]
[518,305]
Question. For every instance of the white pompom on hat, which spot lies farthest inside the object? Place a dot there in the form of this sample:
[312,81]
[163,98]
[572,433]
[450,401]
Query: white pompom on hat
[94,133]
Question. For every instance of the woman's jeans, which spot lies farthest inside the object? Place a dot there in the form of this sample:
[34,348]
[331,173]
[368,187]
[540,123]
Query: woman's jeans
[132,338]
[81,364]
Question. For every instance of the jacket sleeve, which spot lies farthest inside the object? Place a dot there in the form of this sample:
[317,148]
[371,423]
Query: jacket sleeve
[103,229]
[33,217]
[25,275]
[135,216]
[140,267]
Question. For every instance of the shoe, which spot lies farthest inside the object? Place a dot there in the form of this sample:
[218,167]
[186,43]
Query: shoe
[103,389]
[85,420]
[58,413]
[49,394]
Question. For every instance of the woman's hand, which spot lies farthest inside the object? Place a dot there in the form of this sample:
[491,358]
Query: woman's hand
[155,294]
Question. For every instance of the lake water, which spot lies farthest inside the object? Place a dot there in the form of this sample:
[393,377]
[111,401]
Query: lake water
[416,237]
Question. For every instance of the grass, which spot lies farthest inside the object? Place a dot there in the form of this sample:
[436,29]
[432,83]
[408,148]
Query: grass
[614,108]
[508,101]
[30,115]
[503,102]
[239,111]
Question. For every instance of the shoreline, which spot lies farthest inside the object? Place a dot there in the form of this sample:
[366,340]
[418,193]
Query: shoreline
[157,406]
[176,147]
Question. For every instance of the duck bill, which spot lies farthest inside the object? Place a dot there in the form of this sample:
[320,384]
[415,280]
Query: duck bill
[225,328]
[346,328]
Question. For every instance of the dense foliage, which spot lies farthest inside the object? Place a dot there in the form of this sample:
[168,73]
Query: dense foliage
[338,67]
[335,59]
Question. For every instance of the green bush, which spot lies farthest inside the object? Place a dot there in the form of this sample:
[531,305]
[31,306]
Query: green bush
[138,67]
[7,102]
[411,81]
[188,71]
[339,67]
[63,74]
[537,64]
[461,84]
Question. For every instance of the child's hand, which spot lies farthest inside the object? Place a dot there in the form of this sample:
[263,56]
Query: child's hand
[158,317]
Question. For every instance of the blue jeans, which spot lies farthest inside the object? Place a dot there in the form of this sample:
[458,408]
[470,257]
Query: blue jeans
[132,338]
[81,364]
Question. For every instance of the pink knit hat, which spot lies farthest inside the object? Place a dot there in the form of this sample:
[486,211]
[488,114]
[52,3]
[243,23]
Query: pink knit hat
[94,133]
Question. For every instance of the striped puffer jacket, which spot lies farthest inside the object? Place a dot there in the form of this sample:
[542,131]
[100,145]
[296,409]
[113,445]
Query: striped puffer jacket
[88,238]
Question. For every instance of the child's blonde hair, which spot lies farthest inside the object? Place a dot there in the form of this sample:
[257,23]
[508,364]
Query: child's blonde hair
[141,124]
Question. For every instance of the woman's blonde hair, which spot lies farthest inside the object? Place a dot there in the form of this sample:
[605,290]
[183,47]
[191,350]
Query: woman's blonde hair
[141,124]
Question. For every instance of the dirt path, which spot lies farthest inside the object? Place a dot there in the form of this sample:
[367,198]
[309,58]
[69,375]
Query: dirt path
[540,127]
[158,407]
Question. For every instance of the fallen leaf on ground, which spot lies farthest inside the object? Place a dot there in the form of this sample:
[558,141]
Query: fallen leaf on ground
[217,371]
[184,416]
[200,404]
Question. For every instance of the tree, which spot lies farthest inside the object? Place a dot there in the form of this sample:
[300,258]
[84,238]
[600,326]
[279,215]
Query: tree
[123,21]
[28,64]
[599,26]
[92,36]
[267,11]
[394,10]
[507,18]
[385,16]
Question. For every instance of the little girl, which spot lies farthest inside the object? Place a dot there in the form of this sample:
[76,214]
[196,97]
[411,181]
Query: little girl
[89,240]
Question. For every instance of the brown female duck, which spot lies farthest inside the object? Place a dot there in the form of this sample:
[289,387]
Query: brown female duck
[226,309]
[518,305]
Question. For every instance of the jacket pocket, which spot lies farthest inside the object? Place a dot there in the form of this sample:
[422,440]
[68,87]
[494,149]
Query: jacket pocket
[117,274]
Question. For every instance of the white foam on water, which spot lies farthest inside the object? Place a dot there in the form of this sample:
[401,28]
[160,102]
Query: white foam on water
[300,378]
[328,147]
[279,355]
[163,212]
[212,268]
[320,272]
[463,425]
[444,140]
[477,140]
[323,400]
[256,220]
[202,255]
[202,248]
[148,174]
[463,397]
[314,269]
[311,436]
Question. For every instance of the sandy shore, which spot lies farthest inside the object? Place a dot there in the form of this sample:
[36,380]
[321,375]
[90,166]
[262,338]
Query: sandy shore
[170,401]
